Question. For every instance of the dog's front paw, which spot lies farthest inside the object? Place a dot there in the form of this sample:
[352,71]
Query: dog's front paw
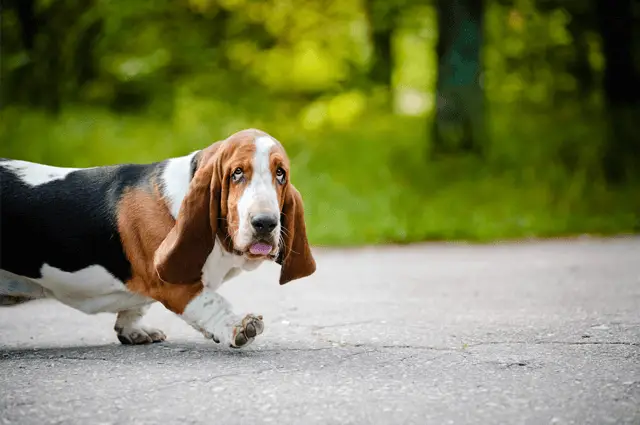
[135,335]
[246,331]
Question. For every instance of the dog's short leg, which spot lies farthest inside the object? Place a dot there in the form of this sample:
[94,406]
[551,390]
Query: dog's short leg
[131,331]
[211,314]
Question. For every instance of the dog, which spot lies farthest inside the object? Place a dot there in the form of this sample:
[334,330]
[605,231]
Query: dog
[118,238]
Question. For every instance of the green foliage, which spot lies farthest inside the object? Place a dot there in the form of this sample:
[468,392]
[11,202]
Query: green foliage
[139,81]
[368,184]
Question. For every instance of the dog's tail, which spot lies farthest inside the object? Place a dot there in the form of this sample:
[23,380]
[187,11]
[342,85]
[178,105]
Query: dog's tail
[16,289]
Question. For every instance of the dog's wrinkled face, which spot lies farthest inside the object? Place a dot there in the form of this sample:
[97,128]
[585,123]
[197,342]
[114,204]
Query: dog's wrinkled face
[257,169]
[241,196]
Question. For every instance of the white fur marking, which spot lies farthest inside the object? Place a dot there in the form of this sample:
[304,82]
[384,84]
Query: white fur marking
[209,312]
[175,178]
[18,286]
[130,325]
[91,290]
[212,314]
[36,174]
[222,266]
[260,195]
[219,263]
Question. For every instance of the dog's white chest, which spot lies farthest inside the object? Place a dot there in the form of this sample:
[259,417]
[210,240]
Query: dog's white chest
[91,290]
[222,266]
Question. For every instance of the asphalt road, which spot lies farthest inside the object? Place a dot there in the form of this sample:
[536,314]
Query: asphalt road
[536,333]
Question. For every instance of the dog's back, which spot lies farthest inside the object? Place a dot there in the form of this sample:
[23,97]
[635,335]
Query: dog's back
[62,217]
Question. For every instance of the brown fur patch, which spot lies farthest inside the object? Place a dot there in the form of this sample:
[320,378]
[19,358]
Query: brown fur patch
[143,222]
[296,258]
[278,159]
[238,153]
[295,255]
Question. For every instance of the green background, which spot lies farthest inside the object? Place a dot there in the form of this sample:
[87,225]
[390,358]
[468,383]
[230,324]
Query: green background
[102,82]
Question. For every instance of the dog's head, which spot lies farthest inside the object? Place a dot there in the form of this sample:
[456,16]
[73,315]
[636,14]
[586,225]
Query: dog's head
[241,194]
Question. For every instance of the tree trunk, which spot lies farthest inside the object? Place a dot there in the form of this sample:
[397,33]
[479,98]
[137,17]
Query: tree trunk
[382,67]
[621,88]
[459,121]
[26,17]
[48,78]
[382,20]
[580,67]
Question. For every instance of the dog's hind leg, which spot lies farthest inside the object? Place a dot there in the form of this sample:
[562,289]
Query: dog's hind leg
[130,329]
[8,300]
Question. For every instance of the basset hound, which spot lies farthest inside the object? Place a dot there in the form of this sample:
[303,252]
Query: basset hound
[119,238]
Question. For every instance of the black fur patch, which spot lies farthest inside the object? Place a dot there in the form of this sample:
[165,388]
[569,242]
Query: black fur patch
[68,223]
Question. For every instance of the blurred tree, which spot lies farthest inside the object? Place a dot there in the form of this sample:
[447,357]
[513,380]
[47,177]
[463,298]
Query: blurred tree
[382,16]
[459,123]
[138,80]
[621,87]
[48,50]
[580,25]
[26,16]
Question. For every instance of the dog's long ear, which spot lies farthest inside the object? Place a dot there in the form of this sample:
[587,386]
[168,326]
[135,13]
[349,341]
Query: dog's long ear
[295,255]
[182,254]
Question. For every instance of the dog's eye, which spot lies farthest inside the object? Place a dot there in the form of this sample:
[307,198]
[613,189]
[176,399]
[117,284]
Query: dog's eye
[237,174]
[280,175]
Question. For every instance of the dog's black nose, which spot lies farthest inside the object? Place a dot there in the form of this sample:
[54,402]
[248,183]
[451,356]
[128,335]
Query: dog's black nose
[264,223]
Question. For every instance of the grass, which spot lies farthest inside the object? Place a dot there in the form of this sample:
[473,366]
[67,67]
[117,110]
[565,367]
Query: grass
[372,183]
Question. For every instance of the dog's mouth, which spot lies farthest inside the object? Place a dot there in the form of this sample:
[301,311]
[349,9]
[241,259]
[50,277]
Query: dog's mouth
[260,249]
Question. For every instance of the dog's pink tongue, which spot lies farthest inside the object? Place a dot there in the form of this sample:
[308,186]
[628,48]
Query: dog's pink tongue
[260,249]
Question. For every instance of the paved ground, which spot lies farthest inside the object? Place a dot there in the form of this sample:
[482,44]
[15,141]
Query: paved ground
[540,333]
